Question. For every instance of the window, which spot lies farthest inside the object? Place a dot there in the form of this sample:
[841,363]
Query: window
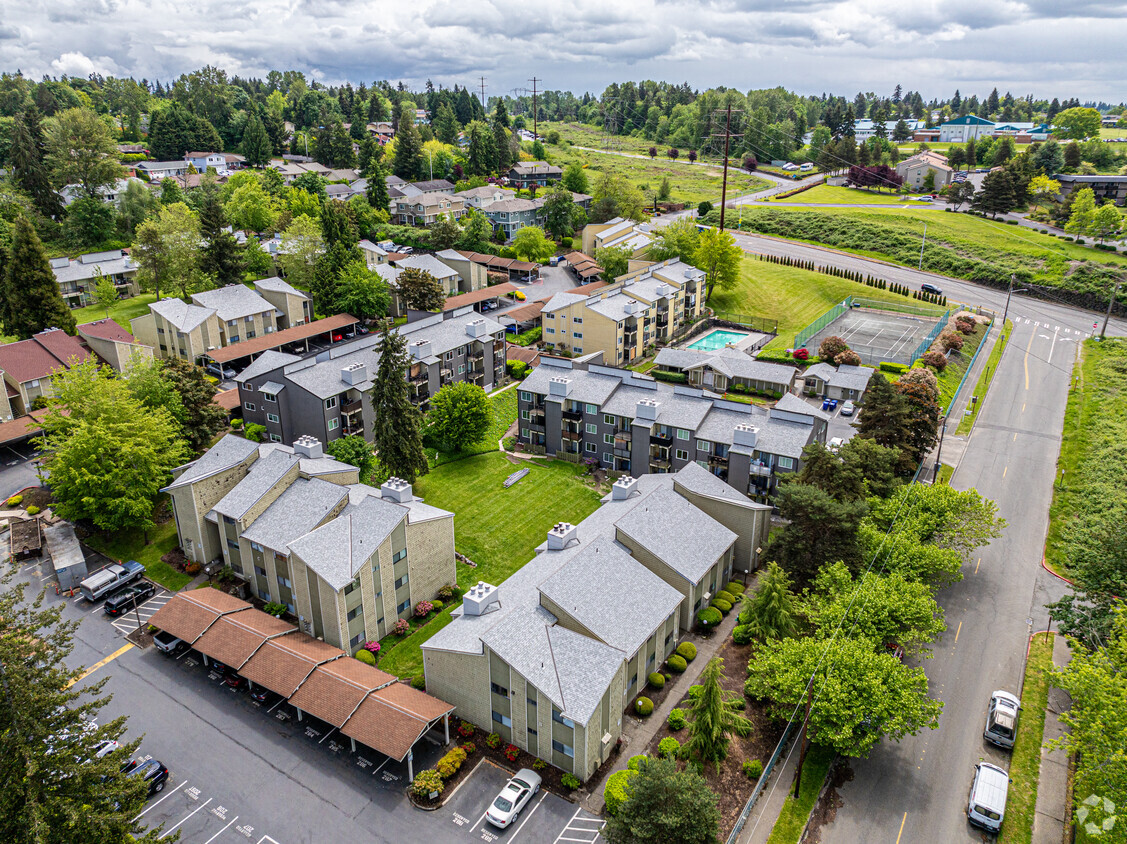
[524,432]
[591,447]
[334,424]
[550,330]
[232,322]
[503,720]
[260,571]
[461,368]
[283,581]
[399,555]
[786,463]
[565,749]
[592,428]
[577,319]
[578,336]
[352,613]
[352,587]
[406,605]
[606,457]
[274,438]
[250,319]
[608,439]
[227,520]
[271,417]
[592,408]
[248,406]
[682,454]
[578,349]
[550,316]
[270,397]
[264,594]
[524,415]
[498,689]
[254,546]
[558,717]
[525,395]
[330,403]
[682,434]
[531,732]
[401,581]
[531,701]
[356,640]
[704,445]
[231,543]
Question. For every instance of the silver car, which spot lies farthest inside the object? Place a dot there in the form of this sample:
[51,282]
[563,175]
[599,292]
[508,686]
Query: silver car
[513,797]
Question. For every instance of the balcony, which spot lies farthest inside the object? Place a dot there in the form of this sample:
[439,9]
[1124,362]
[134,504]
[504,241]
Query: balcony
[623,453]
[760,469]
[418,377]
[662,438]
[571,436]
[573,415]
[536,416]
[622,441]
[717,460]
[348,429]
[352,407]
[660,463]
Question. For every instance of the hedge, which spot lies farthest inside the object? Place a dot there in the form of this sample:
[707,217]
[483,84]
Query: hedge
[528,338]
[676,720]
[644,706]
[668,747]
[365,656]
[676,664]
[776,356]
[687,650]
[735,588]
[725,595]
[671,377]
[742,634]
[894,368]
[725,607]
[657,680]
[616,790]
[426,782]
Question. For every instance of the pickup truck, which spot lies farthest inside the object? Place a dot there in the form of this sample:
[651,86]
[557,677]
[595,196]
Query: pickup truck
[109,579]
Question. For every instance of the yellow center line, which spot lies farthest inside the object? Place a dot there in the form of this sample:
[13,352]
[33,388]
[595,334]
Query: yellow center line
[1006,469]
[901,832]
[957,632]
[1015,438]
[976,565]
[1027,348]
[98,665]
[1023,411]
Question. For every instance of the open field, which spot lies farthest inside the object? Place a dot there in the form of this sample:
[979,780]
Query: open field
[830,195]
[793,296]
[1112,132]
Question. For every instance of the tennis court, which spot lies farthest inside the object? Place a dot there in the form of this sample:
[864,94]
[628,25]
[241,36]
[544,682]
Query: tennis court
[878,335]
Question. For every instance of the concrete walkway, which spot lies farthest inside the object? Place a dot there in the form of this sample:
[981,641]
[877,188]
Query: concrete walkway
[637,733]
[1052,811]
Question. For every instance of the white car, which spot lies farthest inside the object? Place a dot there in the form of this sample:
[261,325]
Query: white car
[513,797]
[847,409]
[1001,719]
[835,444]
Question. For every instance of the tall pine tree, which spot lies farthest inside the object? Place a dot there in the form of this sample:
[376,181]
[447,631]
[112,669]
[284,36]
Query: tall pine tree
[28,167]
[221,257]
[376,189]
[396,432]
[256,143]
[408,151]
[34,301]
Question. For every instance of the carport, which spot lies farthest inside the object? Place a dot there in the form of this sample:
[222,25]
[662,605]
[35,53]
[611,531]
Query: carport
[189,614]
[283,664]
[393,718]
[234,638]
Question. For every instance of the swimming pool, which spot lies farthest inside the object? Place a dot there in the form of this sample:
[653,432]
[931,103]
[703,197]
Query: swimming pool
[717,339]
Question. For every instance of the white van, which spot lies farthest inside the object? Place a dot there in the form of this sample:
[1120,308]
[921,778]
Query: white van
[1001,719]
[987,805]
[807,167]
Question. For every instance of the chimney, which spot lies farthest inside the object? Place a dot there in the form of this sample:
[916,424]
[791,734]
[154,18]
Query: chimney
[478,598]
[647,410]
[562,534]
[632,306]
[397,490]
[476,328]
[692,273]
[746,435]
[662,289]
[354,373]
[420,349]
[623,488]
[558,385]
[308,446]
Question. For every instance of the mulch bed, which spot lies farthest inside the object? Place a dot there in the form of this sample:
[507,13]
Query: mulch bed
[40,497]
[731,784]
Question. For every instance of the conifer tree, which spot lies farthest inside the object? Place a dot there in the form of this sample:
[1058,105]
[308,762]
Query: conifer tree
[376,189]
[256,143]
[396,431]
[29,170]
[713,716]
[33,299]
[408,151]
[769,612]
[221,257]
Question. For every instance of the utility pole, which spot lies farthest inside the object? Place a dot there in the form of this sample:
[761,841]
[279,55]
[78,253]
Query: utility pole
[724,187]
[1110,305]
[1010,293]
[802,737]
[483,93]
[535,131]
[923,243]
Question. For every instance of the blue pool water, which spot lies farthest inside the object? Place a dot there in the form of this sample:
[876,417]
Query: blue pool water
[717,339]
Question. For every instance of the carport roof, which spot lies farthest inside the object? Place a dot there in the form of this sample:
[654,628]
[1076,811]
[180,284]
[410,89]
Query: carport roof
[283,664]
[393,718]
[233,639]
[188,615]
[333,690]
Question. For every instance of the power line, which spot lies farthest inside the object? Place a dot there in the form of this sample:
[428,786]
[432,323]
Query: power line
[535,130]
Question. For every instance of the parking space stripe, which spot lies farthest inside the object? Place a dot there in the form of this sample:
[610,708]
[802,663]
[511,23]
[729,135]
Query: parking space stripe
[181,821]
[516,832]
[561,835]
[479,820]
[222,830]
[157,803]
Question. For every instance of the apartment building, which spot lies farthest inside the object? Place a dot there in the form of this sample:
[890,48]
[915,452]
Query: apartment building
[26,367]
[347,559]
[621,320]
[328,395]
[78,277]
[616,232]
[551,657]
[424,209]
[630,423]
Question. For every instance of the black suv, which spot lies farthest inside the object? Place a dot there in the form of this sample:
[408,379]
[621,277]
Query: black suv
[129,597]
[151,771]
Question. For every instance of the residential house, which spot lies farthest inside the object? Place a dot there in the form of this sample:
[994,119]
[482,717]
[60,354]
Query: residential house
[512,215]
[728,370]
[292,306]
[914,170]
[445,275]
[1105,188]
[113,344]
[425,208]
[347,559]
[844,383]
[202,160]
[526,173]
[382,131]
[109,194]
[631,423]
[78,277]
[616,232]
[472,276]
[486,195]
[374,255]
[155,171]
[551,657]
[27,365]
[328,394]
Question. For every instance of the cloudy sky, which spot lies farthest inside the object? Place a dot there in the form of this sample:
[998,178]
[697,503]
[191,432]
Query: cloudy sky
[1049,48]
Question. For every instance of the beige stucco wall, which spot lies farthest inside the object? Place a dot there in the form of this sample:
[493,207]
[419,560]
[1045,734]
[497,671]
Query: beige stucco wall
[462,680]
[430,558]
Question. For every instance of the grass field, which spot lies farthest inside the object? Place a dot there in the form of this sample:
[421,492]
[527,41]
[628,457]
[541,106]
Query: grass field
[120,312]
[130,545]
[982,386]
[1025,763]
[793,296]
[1112,132]
[795,813]
[405,659]
[827,194]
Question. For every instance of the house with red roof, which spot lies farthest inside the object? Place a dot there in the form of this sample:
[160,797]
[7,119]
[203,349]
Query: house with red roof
[27,366]
[113,344]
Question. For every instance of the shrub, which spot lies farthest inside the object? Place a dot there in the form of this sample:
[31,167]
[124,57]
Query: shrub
[470,748]
[616,790]
[426,783]
[735,588]
[493,741]
[466,729]
[668,748]
[570,782]
[924,377]
[894,368]
[644,706]
[446,592]
[635,761]
[402,627]
[964,324]
[236,423]
[687,650]
[419,683]
[437,605]
[725,607]
[366,657]
[657,680]
[935,359]
[725,595]
[802,354]
[566,242]
[695,690]
[848,358]
[15,501]
[193,568]
[255,433]
[423,609]
[741,635]
[831,347]
[449,764]
[753,769]
[273,608]
[950,340]
[512,752]
[671,377]
[539,765]
[32,510]
[676,720]
[676,664]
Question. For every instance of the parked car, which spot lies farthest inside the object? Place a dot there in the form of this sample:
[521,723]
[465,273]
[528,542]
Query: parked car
[107,581]
[986,807]
[261,694]
[224,373]
[129,597]
[1001,719]
[926,198]
[835,444]
[928,287]
[232,679]
[513,797]
[167,643]
[152,772]
[847,409]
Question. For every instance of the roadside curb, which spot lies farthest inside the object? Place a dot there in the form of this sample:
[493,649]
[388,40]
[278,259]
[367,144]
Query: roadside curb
[1045,566]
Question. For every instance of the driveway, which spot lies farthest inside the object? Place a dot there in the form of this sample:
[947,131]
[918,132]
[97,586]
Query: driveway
[17,469]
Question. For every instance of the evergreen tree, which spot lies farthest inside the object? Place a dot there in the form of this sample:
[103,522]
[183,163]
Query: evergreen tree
[1072,155]
[367,152]
[712,715]
[358,131]
[34,302]
[408,151]
[770,612]
[203,418]
[997,195]
[28,167]
[664,805]
[887,419]
[396,431]
[376,189]
[340,148]
[256,143]
[445,125]
[221,257]
[481,155]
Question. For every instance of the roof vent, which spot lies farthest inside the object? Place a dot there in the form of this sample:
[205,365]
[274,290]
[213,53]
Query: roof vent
[662,289]
[420,349]
[397,490]
[559,386]
[478,598]
[623,488]
[562,534]
[647,410]
[308,446]
[632,307]
[354,373]
[476,328]
[745,435]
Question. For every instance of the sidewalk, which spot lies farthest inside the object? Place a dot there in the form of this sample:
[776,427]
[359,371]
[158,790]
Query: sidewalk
[638,732]
[1052,811]
[761,819]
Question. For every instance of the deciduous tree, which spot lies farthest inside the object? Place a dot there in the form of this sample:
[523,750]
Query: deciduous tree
[720,258]
[679,239]
[575,178]
[362,293]
[81,151]
[1042,189]
[1077,124]
[167,251]
[665,804]
[531,244]
[614,260]
[460,416]
[420,290]
[355,451]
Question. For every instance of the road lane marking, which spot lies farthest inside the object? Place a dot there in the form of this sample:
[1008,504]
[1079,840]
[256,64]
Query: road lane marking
[98,665]
[1015,437]
[1023,407]
[1006,469]
[976,565]
[181,821]
[957,632]
[1027,348]
[901,832]
[483,814]
[561,835]
[154,805]
[1053,345]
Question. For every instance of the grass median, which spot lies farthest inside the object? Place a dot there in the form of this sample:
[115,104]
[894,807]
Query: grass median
[985,378]
[792,819]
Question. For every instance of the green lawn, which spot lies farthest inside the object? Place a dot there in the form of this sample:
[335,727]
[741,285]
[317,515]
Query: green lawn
[985,378]
[795,813]
[130,545]
[793,296]
[500,528]
[827,194]
[1025,763]
[957,365]
[405,659]
[120,312]
[1112,132]
[504,406]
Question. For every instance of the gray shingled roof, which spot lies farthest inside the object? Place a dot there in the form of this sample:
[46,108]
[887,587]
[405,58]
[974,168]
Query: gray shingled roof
[852,377]
[696,478]
[790,403]
[720,423]
[429,263]
[263,474]
[563,300]
[586,669]
[521,639]
[585,386]
[295,512]
[223,455]
[268,361]
[232,302]
[77,270]
[614,307]
[684,537]
[277,285]
[784,438]
[183,316]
